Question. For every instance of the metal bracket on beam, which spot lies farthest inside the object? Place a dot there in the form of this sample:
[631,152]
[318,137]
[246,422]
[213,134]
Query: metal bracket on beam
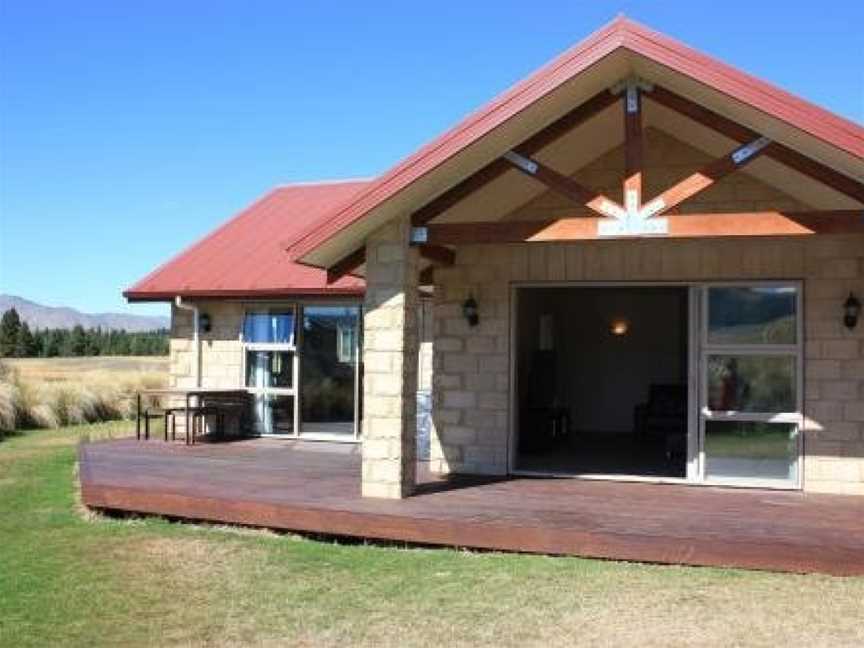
[419,235]
[524,163]
[632,98]
[747,151]
[634,81]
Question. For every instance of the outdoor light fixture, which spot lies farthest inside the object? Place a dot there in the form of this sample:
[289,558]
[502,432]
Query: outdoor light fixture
[204,322]
[619,327]
[469,310]
[851,311]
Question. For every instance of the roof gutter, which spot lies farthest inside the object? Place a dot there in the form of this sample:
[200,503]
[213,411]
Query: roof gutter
[196,340]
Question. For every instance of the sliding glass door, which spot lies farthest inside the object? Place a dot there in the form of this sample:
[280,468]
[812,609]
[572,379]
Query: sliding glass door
[751,401]
[329,371]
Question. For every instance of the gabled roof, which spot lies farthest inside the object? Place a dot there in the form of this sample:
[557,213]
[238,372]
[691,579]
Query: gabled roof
[244,258]
[832,140]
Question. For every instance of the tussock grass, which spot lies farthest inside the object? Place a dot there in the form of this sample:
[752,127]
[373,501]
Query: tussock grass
[52,393]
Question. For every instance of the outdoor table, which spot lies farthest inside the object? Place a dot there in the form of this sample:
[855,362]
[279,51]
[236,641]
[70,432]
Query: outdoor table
[189,394]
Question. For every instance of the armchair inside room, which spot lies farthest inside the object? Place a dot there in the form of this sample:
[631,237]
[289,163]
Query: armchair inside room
[664,417]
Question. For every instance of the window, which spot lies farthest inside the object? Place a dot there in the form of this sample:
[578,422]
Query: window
[751,366]
[270,369]
[752,383]
[300,364]
[329,370]
[269,328]
[752,315]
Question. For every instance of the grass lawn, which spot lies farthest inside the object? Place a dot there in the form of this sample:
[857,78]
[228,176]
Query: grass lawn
[70,579]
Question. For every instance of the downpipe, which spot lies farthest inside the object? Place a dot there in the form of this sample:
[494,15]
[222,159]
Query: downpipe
[196,340]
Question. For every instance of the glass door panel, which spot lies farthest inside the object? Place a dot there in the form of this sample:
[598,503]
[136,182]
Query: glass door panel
[750,450]
[751,384]
[752,315]
[273,413]
[328,374]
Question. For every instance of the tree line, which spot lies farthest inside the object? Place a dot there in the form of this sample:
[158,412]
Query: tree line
[18,340]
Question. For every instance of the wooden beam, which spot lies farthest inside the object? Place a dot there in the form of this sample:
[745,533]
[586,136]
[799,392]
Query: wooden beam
[744,224]
[438,254]
[346,265]
[707,176]
[776,151]
[495,169]
[632,101]
[565,186]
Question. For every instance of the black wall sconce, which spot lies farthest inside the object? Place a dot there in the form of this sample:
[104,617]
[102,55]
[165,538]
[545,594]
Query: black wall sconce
[470,311]
[204,323]
[851,311]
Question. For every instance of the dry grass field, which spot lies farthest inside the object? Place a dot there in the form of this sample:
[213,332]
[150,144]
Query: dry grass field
[90,369]
[52,392]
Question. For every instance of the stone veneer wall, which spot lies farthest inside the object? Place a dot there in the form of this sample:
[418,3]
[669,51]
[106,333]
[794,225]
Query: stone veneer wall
[221,354]
[471,365]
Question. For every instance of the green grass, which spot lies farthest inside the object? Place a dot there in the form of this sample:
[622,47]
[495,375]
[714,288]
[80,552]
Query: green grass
[70,579]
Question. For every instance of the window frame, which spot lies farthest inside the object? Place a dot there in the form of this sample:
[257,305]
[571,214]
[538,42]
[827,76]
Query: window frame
[796,351]
[358,366]
[298,307]
[273,347]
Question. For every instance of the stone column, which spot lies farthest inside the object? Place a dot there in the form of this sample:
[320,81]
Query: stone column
[390,348]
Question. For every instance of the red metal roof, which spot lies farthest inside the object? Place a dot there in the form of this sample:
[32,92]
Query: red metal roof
[620,33]
[246,257]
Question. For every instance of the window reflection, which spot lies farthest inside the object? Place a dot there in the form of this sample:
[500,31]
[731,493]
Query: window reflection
[752,315]
[269,328]
[269,369]
[751,383]
[328,373]
[273,414]
[750,450]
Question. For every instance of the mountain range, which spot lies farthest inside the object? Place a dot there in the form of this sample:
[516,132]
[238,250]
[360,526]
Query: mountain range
[39,316]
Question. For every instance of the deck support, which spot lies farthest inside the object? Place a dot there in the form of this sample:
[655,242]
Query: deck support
[390,352]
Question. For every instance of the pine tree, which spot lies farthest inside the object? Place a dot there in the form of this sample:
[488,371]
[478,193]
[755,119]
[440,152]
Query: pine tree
[77,342]
[52,344]
[25,343]
[9,325]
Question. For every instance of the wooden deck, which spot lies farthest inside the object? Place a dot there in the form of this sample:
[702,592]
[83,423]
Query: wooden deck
[315,488]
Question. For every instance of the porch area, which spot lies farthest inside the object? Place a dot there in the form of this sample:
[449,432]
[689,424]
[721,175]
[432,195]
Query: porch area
[315,487]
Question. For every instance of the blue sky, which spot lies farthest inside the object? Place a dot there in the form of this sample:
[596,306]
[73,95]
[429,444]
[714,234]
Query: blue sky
[128,130]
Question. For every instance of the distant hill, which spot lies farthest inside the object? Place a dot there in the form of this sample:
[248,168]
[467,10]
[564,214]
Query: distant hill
[38,316]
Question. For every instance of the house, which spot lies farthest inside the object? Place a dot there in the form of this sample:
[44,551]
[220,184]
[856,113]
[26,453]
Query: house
[638,263]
